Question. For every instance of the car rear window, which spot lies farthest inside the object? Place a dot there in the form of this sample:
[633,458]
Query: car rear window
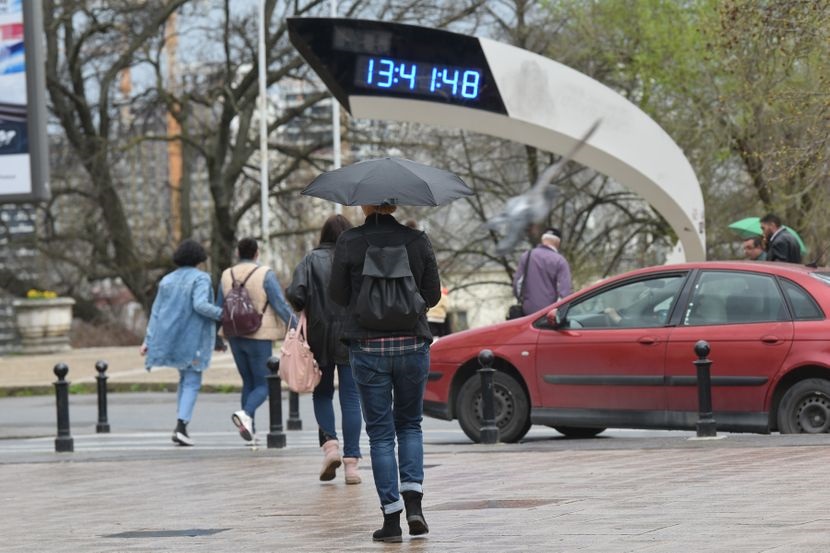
[804,307]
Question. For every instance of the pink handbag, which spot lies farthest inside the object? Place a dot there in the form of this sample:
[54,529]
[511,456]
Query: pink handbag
[298,368]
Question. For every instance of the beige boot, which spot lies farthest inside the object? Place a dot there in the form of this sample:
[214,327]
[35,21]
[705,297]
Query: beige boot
[350,464]
[331,460]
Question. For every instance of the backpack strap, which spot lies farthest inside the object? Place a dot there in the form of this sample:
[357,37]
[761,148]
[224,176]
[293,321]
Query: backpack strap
[247,277]
[242,285]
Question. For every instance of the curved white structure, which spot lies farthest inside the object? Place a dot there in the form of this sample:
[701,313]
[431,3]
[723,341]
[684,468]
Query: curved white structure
[531,99]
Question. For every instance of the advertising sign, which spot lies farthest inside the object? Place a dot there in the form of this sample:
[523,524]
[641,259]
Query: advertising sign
[23,172]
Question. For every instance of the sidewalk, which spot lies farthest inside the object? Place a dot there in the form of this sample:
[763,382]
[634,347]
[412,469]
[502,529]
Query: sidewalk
[125,366]
[627,491]
[746,496]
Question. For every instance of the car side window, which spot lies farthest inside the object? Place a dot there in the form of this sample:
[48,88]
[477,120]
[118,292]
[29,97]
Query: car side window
[803,304]
[644,303]
[732,297]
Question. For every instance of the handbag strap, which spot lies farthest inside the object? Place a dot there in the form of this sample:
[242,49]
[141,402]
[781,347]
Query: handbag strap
[301,325]
[524,276]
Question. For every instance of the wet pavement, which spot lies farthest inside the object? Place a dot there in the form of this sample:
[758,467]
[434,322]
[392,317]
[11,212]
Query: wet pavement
[133,490]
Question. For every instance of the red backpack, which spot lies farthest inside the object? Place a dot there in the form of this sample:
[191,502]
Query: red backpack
[239,316]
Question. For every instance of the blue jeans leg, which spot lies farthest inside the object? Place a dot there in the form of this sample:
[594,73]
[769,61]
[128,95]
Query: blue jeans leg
[373,375]
[392,395]
[322,397]
[251,357]
[350,408]
[410,379]
[190,382]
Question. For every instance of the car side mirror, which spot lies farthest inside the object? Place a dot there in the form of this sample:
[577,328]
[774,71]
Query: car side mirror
[555,318]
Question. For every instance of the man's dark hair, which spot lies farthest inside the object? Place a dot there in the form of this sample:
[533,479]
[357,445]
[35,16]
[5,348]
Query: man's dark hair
[247,248]
[334,227]
[756,241]
[771,218]
[189,254]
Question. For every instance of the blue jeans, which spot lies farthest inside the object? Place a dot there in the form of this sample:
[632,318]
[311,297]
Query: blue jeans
[190,382]
[251,358]
[392,397]
[349,407]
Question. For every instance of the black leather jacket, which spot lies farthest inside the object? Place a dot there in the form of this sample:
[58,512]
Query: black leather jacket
[347,271]
[309,290]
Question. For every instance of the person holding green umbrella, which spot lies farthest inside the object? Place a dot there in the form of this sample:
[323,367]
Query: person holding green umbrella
[749,228]
[781,243]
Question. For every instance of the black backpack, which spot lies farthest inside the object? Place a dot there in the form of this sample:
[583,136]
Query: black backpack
[239,316]
[389,298]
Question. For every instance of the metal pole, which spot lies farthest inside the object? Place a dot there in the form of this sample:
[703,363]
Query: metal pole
[263,131]
[706,426]
[276,437]
[64,441]
[294,420]
[335,123]
[489,430]
[103,425]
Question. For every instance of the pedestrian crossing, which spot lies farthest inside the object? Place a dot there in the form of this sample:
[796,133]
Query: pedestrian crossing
[300,441]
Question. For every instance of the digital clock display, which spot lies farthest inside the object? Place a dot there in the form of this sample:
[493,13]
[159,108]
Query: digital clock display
[357,57]
[421,78]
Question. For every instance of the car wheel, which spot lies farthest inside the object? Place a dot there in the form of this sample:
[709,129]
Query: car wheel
[511,405]
[805,408]
[578,432]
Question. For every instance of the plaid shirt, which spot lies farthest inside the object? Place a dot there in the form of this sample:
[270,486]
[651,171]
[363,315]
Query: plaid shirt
[391,345]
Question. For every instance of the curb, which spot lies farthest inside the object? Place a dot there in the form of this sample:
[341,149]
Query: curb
[114,387]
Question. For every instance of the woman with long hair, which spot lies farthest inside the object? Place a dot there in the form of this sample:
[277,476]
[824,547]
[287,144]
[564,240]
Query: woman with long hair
[309,291]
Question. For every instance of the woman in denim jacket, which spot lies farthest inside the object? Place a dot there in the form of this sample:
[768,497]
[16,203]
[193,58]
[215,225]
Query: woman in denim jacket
[182,329]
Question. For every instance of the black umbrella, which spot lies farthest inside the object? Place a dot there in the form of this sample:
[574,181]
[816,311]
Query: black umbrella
[388,180]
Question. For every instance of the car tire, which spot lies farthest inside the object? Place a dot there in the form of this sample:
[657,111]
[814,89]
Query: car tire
[578,432]
[805,408]
[512,408]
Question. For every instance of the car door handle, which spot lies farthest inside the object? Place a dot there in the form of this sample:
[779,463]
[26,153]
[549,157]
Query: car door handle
[648,340]
[770,339]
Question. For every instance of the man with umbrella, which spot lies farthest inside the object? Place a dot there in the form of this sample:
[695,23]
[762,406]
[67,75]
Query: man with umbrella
[781,244]
[389,355]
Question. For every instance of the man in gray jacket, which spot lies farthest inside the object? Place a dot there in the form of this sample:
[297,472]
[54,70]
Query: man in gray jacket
[543,275]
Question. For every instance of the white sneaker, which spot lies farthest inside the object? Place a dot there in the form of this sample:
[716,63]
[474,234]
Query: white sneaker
[245,425]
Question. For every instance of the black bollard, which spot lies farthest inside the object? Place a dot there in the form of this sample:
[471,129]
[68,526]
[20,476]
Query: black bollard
[706,426]
[103,426]
[294,420]
[489,430]
[64,441]
[276,437]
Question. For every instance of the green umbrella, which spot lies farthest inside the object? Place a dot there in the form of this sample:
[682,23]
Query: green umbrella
[751,227]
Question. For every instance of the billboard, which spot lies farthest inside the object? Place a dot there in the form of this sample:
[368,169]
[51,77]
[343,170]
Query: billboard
[23,157]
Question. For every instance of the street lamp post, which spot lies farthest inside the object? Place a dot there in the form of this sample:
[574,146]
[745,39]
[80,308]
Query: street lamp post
[263,131]
[335,123]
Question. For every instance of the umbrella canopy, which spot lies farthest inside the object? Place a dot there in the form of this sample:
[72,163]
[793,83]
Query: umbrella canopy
[751,226]
[388,180]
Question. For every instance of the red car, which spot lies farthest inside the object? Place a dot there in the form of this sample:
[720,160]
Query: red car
[620,354]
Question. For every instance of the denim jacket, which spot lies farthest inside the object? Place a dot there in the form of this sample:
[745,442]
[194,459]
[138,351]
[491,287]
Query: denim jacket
[182,329]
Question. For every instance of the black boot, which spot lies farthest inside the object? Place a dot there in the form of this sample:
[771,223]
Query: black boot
[414,514]
[391,531]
